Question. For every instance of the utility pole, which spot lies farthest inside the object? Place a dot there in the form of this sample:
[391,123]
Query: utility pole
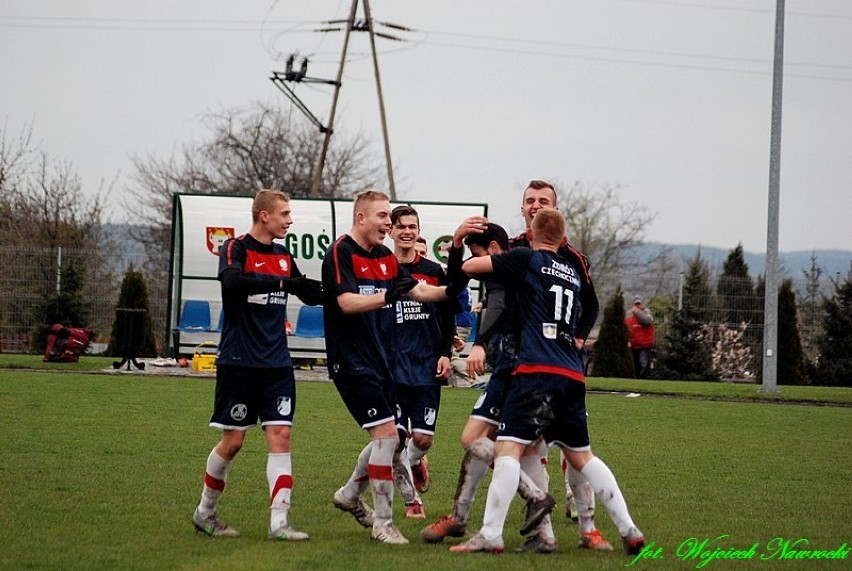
[369,18]
[770,304]
[281,80]
[316,182]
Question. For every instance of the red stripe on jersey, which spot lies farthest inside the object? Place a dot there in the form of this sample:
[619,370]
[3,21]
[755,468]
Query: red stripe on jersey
[229,255]
[336,258]
[284,482]
[278,265]
[376,472]
[376,269]
[431,280]
[213,483]
[550,370]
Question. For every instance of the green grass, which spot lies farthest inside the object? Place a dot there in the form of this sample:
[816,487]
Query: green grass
[103,472]
[725,391]
[29,361]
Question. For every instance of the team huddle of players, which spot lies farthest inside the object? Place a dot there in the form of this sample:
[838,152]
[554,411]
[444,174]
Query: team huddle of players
[389,323]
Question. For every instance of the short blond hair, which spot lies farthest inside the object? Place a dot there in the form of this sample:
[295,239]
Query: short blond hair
[266,199]
[548,226]
[364,197]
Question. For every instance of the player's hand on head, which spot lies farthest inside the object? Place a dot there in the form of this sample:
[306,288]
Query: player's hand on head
[470,225]
[400,286]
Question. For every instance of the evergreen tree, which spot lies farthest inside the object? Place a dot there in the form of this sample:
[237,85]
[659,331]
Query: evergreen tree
[791,359]
[686,352]
[67,306]
[835,343]
[134,295]
[735,290]
[697,294]
[612,357]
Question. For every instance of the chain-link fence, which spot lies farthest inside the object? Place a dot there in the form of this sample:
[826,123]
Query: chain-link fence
[32,274]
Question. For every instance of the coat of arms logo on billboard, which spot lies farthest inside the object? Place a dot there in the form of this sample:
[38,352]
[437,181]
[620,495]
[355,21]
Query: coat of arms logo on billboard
[216,236]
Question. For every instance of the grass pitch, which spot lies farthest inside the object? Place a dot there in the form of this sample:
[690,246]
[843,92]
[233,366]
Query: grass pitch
[103,472]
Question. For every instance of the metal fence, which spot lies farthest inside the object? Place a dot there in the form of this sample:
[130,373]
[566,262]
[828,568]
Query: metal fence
[32,274]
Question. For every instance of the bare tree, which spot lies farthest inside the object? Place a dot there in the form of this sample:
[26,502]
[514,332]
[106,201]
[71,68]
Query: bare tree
[603,228]
[248,149]
[15,153]
[43,208]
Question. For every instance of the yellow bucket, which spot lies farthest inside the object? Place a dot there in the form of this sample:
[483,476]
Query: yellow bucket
[204,361]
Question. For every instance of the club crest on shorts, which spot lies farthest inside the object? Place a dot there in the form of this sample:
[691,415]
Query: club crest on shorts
[429,415]
[239,411]
[285,406]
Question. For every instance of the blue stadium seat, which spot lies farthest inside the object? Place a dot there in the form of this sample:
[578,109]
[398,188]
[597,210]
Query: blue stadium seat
[309,322]
[195,316]
[221,320]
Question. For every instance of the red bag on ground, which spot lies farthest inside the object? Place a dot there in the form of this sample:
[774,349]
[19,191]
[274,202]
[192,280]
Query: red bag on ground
[66,344]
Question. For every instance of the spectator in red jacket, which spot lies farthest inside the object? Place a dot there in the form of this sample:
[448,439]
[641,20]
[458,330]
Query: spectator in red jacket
[640,324]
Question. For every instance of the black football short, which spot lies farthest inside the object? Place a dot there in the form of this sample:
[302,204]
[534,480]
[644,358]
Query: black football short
[246,394]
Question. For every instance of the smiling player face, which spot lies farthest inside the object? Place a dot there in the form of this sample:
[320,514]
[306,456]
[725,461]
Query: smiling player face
[276,221]
[534,200]
[405,232]
[374,221]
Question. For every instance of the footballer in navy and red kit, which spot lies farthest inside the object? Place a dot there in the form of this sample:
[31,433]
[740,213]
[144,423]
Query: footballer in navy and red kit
[424,334]
[253,364]
[360,346]
[588,299]
[549,388]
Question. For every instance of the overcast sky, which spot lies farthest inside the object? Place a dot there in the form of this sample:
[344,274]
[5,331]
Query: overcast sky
[668,99]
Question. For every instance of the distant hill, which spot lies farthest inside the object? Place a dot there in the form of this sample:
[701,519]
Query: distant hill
[792,264]
[832,262]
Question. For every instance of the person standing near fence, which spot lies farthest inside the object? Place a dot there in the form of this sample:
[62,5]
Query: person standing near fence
[254,374]
[640,325]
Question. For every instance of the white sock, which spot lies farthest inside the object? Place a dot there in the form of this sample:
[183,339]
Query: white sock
[603,483]
[532,467]
[380,471]
[279,475]
[359,479]
[504,483]
[414,453]
[471,473]
[214,483]
[584,498]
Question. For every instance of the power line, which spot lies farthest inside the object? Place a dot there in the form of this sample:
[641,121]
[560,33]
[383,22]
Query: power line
[142,24]
[736,9]
[617,49]
[636,62]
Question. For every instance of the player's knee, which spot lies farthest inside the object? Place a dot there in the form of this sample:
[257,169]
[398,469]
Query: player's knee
[228,449]
[422,441]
